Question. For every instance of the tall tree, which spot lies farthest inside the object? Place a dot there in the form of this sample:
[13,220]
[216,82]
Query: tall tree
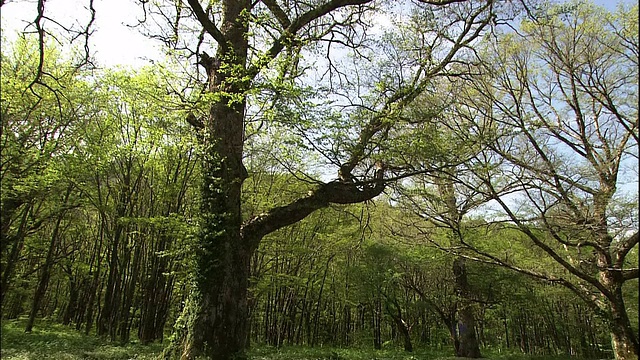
[247,42]
[559,118]
[40,121]
[439,137]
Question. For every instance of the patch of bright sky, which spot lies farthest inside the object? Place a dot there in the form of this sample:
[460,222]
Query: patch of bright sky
[114,42]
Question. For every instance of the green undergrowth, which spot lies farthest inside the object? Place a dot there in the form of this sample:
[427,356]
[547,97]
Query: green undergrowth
[319,353]
[54,341]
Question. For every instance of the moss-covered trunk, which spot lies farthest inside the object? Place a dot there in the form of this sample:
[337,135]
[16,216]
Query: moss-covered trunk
[215,317]
[214,321]
[217,309]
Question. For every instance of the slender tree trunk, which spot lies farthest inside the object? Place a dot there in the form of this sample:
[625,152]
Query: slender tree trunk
[347,325]
[46,269]
[452,326]
[95,280]
[400,324]
[376,312]
[153,296]
[16,249]
[9,206]
[112,294]
[466,320]
[128,294]
[72,304]
[319,302]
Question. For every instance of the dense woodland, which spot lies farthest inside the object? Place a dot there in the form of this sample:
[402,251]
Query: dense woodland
[466,179]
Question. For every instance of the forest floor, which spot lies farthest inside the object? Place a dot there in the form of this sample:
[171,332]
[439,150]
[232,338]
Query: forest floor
[54,341]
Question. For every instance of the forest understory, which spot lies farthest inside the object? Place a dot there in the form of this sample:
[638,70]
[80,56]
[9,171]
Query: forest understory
[322,179]
[52,341]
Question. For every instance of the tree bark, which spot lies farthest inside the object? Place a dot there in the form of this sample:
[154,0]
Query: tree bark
[128,295]
[376,318]
[108,317]
[466,320]
[468,343]
[623,340]
[16,249]
[400,323]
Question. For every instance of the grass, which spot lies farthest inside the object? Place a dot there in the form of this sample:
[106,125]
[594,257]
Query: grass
[304,353]
[54,341]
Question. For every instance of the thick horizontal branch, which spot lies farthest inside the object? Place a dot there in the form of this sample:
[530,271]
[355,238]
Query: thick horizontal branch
[629,274]
[626,246]
[335,192]
[195,122]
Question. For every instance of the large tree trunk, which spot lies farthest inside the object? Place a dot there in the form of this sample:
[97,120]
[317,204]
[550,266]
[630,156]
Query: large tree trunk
[466,321]
[217,309]
[215,316]
[217,313]
[624,345]
[623,340]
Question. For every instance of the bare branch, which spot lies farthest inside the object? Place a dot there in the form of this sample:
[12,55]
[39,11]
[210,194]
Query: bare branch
[207,24]
[408,94]
[277,11]
[441,2]
[487,258]
[38,23]
[546,248]
[296,25]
